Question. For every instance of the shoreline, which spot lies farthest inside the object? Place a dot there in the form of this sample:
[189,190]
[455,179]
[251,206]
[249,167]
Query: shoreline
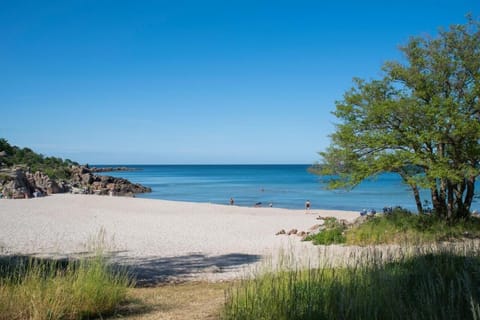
[162,240]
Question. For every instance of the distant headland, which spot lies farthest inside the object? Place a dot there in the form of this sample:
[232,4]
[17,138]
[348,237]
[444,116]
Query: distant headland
[26,174]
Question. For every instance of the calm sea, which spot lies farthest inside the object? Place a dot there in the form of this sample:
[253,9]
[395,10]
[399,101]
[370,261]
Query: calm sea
[285,186]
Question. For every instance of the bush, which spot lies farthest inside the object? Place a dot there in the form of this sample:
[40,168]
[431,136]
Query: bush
[333,233]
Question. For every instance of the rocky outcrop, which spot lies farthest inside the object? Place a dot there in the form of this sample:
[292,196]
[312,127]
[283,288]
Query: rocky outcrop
[45,185]
[18,183]
[87,182]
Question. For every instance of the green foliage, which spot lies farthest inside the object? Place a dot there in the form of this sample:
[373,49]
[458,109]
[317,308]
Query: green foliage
[49,289]
[404,227]
[333,233]
[55,168]
[420,121]
[400,227]
[430,286]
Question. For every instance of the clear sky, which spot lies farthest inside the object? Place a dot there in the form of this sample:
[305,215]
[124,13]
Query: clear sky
[186,82]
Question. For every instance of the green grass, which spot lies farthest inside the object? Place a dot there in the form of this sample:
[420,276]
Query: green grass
[334,232]
[433,285]
[48,289]
[404,227]
[400,227]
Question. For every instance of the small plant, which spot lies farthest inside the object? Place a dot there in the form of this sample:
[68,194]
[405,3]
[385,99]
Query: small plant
[333,233]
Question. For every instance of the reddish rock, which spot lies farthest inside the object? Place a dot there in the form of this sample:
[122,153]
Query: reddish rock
[293,231]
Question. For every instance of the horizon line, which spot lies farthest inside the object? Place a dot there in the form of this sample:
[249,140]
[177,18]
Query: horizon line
[200,164]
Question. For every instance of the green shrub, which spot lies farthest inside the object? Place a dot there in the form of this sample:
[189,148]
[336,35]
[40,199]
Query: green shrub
[328,236]
[333,233]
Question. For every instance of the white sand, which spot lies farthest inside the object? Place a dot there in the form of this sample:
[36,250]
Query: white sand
[164,240]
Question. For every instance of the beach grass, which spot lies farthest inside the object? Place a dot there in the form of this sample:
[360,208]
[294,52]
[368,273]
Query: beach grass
[432,284]
[399,227]
[403,227]
[34,288]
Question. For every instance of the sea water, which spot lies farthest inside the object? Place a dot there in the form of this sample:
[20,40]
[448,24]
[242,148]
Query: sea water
[284,186]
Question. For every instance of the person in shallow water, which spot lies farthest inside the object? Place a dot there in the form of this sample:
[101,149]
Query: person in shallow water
[232,202]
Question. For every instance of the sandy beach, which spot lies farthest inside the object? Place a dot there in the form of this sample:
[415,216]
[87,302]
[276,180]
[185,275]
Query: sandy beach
[160,240]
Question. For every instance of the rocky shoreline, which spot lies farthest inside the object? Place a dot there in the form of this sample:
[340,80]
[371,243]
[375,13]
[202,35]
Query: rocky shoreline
[20,183]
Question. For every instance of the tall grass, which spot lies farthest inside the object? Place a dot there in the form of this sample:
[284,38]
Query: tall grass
[432,285]
[49,289]
[404,227]
[400,227]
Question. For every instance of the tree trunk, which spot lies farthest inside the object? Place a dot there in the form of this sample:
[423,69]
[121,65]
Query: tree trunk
[438,206]
[460,211]
[470,193]
[450,201]
[418,201]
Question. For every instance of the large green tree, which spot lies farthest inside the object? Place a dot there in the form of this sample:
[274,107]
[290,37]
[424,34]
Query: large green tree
[420,120]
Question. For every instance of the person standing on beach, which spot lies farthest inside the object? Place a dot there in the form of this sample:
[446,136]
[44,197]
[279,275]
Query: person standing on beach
[307,205]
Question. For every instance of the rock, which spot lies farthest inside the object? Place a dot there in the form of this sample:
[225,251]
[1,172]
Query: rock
[301,233]
[18,185]
[87,178]
[315,227]
[293,231]
[280,232]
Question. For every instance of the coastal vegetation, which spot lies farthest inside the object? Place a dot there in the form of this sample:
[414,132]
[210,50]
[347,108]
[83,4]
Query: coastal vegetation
[25,174]
[34,288]
[333,232]
[398,227]
[55,168]
[427,285]
[420,120]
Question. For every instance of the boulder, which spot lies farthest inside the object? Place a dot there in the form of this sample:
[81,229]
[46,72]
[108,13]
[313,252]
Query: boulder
[280,232]
[87,178]
[18,185]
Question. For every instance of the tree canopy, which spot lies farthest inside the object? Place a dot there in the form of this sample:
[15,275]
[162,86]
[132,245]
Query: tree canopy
[421,119]
[52,166]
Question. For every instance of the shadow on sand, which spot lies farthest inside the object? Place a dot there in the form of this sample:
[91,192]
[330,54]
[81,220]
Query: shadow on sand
[158,270]
[147,271]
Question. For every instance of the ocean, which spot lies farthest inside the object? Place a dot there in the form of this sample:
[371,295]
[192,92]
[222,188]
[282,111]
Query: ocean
[284,186]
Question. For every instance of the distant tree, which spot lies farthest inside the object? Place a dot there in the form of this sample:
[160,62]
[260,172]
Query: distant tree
[52,166]
[421,120]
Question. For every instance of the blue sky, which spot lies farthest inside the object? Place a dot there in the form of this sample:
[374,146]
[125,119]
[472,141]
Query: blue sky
[168,82]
